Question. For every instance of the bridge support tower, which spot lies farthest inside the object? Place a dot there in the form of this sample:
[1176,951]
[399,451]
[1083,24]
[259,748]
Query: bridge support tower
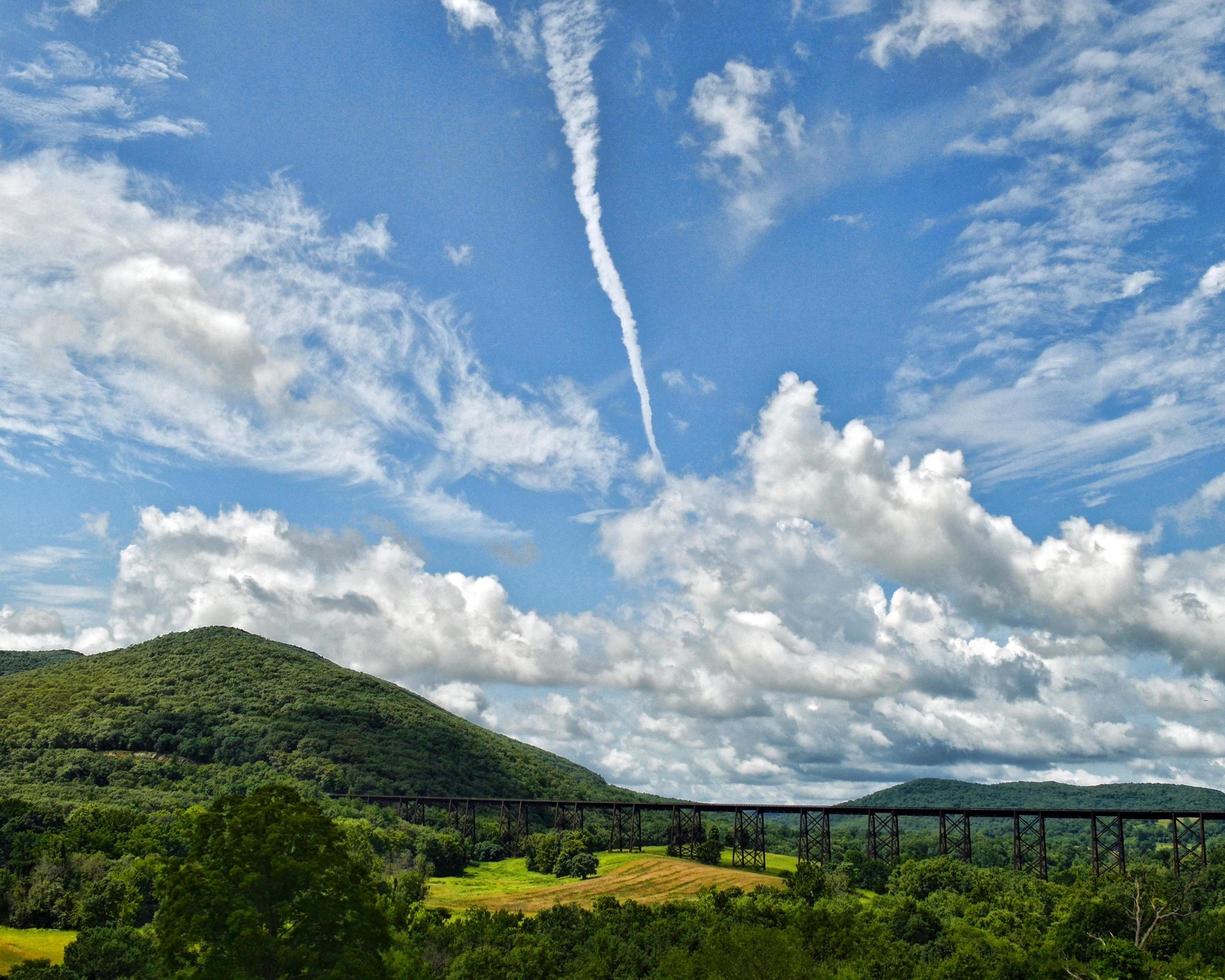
[955,835]
[1190,848]
[1108,851]
[749,840]
[814,842]
[1029,843]
[884,841]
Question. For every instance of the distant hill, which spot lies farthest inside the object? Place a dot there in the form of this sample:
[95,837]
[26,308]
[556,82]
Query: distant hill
[15,661]
[191,714]
[1120,796]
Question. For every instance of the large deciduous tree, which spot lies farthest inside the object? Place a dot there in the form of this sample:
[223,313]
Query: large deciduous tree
[268,889]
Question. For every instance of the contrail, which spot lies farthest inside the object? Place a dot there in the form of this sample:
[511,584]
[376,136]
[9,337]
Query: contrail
[571,33]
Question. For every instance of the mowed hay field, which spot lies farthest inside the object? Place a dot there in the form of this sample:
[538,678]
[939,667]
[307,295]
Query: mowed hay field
[645,877]
[19,945]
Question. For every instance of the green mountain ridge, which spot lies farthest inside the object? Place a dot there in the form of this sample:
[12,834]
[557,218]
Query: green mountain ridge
[15,661]
[189,715]
[1045,795]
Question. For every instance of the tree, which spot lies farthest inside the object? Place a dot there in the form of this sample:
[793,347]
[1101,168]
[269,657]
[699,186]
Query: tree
[269,889]
[119,953]
[581,865]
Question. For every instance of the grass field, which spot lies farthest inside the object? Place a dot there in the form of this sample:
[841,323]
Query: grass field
[19,945]
[650,876]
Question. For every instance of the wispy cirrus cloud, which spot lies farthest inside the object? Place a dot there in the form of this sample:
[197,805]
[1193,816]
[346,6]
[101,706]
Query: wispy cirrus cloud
[244,332]
[1105,137]
[64,95]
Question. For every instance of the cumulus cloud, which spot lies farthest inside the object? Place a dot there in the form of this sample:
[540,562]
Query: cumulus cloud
[979,26]
[758,650]
[31,629]
[730,103]
[244,333]
[372,606]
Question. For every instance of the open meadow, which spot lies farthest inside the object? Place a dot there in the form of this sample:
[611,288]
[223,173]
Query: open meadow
[19,945]
[649,876]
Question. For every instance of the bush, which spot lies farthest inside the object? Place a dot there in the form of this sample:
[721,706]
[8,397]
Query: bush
[489,850]
[581,865]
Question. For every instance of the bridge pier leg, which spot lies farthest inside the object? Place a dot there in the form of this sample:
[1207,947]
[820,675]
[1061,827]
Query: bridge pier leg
[814,842]
[626,831]
[1190,847]
[1108,851]
[884,841]
[568,816]
[1029,843]
[461,815]
[749,840]
[955,835]
[686,831]
[512,825]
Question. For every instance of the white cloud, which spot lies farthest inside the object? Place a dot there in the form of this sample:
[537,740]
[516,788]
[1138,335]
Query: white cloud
[1024,361]
[458,255]
[979,26]
[692,384]
[49,14]
[1136,282]
[31,629]
[65,96]
[472,14]
[856,220]
[244,333]
[571,30]
[757,654]
[731,104]
[372,606]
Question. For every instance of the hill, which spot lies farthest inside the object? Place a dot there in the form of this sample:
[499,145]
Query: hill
[15,661]
[1121,796]
[210,710]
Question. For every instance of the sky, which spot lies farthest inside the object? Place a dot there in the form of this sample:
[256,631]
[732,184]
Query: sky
[765,401]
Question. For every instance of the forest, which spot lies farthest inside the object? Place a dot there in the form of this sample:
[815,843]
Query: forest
[272,883]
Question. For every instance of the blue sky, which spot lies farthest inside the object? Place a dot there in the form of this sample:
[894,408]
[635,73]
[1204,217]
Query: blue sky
[312,323]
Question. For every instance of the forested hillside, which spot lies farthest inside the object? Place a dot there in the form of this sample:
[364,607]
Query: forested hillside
[1122,796]
[15,661]
[197,713]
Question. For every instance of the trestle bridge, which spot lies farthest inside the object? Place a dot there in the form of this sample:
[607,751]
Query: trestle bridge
[748,839]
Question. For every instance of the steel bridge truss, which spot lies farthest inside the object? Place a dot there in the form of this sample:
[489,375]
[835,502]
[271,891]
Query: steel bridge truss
[1109,854]
[813,844]
[625,832]
[884,841]
[1029,843]
[955,835]
[512,825]
[461,816]
[567,816]
[685,832]
[1190,848]
[749,840]
[1029,853]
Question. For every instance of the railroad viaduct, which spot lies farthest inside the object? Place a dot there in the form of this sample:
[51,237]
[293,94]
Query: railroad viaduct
[748,842]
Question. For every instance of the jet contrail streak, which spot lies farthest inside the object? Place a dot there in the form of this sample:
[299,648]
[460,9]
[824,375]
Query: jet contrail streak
[571,33]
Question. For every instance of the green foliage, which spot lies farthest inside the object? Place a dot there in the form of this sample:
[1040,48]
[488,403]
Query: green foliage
[567,855]
[710,851]
[269,889]
[191,716]
[951,793]
[16,661]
